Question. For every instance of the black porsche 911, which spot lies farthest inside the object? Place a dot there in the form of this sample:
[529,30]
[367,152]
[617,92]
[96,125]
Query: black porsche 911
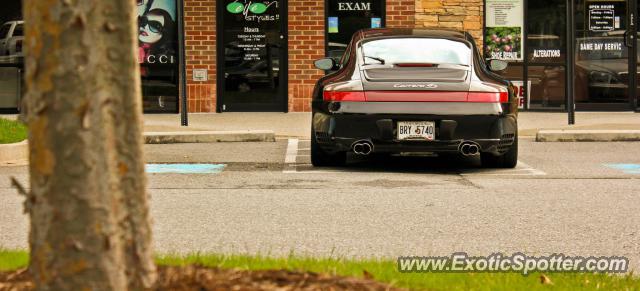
[413,91]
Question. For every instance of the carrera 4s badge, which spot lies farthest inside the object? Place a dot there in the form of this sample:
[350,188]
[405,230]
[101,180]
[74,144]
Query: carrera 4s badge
[421,86]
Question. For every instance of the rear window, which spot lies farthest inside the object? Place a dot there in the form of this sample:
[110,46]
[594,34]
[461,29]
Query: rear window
[416,50]
[4,30]
[18,31]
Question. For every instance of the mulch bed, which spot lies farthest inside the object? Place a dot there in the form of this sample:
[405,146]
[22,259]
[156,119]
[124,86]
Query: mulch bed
[202,278]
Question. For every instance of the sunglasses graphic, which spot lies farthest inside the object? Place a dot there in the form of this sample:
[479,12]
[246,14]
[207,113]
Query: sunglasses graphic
[154,25]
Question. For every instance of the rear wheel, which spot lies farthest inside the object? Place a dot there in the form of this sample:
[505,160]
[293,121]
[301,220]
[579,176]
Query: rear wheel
[320,158]
[508,160]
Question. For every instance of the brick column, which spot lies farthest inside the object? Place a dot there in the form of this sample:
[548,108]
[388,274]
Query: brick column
[401,13]
[200,48]
[306,44]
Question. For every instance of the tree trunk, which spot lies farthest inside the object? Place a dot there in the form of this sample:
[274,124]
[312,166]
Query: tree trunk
[88,206]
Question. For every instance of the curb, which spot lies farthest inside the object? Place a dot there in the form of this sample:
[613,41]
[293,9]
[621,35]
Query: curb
[209,136]
[587,135]
[14,152]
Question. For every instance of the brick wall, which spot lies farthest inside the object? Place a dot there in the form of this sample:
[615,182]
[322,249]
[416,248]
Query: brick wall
[457,14]
[200,47]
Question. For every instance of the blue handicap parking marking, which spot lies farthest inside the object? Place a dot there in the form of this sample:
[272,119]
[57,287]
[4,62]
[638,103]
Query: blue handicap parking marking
[627,168]
[185,168]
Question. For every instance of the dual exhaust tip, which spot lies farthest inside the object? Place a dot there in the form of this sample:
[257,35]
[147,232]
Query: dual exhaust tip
[362,148]
[365,148]
[469,149]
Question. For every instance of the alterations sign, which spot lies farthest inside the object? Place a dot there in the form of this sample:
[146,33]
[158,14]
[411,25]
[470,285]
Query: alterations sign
[504,26]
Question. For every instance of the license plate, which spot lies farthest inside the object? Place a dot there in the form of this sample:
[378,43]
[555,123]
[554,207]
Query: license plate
[416,130]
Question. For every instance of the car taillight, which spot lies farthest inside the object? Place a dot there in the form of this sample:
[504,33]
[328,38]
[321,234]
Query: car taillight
[344,96]
[488,97]
[416,96]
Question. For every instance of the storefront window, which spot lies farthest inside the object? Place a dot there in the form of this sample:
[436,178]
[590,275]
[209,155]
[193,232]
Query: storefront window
[344,18]
[546,41]
[503,39]
[11,57]
[506,35]
[158,54]
[602,55]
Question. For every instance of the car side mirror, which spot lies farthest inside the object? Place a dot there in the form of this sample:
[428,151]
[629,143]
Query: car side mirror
[326,64]
[497,65]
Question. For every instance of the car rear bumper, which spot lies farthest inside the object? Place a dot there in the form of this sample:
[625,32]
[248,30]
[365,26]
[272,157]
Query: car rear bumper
[492,130]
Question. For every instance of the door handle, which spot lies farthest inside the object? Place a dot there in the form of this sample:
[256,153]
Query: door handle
[628,39]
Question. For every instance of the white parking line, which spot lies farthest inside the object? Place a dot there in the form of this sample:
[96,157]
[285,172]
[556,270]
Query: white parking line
[532,170]
[291,157]
[522,169]
[292,151]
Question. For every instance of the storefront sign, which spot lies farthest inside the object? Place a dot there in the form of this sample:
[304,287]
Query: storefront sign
[503,33]
[255,8]
[255,11]
[601,46]
[254,17]
[602,18]
[541,53]
[253,43]
[354,6]
[520,92]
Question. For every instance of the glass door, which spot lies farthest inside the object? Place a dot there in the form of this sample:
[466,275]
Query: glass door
[635,99]
[604,66]
[252,50]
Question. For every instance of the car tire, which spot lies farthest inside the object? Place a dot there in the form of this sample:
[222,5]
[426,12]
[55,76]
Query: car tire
[508,160]
[320,158]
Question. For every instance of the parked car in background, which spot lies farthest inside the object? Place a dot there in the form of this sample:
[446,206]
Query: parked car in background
[11,38]
[413,90]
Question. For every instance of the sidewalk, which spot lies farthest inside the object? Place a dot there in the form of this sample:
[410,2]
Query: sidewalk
[283,124]
[298,124]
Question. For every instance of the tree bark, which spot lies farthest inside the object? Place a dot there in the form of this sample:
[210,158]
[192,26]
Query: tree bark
[90,224]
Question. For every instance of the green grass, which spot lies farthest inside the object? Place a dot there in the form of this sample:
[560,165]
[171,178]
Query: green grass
[12,131]
[12,260]
[384,271]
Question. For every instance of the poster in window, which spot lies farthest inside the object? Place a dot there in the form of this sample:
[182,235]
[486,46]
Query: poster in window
[503,33]
[376,22]
[157,31]
[333,25]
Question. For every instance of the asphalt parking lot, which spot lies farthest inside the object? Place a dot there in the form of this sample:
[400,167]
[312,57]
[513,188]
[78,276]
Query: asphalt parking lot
[265,198]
